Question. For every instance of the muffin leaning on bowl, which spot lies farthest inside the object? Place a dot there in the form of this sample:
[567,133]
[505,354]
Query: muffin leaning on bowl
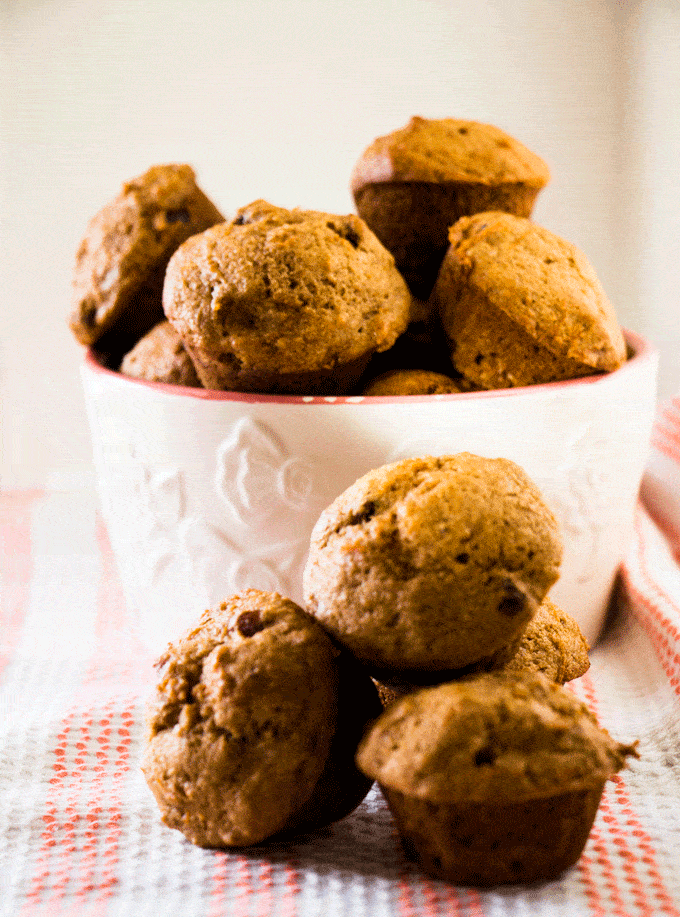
[285,301]
[412,184]
[522,306]
[496,779]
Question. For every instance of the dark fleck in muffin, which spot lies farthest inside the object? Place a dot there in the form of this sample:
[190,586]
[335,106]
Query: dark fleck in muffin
[432,564]
[495,779]
[120,264]
[160,357]
[244,722]
[412,184]
[286,301]
[522,306]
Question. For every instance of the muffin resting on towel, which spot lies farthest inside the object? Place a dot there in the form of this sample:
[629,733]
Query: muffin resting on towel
[248,734]
[493,779]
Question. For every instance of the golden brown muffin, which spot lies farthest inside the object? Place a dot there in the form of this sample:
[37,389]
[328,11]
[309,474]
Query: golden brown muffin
[552,644]
[242,726]
[432,564]
[120,264]
[411,382]
[287,301]
[522,306]
[412,184]
[160,357]
[493,779]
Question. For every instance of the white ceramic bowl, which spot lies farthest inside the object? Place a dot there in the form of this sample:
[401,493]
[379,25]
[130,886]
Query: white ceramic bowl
[204,493]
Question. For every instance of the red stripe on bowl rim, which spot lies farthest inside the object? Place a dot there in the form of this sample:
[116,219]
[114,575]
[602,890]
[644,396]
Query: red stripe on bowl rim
[643,350]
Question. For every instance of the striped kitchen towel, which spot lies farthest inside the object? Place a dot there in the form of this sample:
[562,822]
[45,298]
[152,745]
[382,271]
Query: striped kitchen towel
[80,832]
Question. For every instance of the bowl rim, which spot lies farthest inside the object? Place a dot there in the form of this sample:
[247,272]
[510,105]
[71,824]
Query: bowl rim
[643,351]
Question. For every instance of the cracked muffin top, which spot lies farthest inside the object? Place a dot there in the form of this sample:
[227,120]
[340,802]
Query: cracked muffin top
[272,297]
[242,720]
[411,185]
[501,738]
[432,564]
[121,261]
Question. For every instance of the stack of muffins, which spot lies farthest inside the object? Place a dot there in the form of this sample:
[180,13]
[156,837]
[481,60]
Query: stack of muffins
[434,573]
[441,284]
[428,656]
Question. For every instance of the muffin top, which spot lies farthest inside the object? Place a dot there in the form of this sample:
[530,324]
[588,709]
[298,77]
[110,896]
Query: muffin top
[397,382]
[433,563]
[242,720]
[128,244]
[552,644]
[497,738]
[448,150]
[160,357]
[542,283]
[286,291]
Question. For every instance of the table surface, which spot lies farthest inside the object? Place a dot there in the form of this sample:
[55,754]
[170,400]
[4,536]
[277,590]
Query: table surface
[79,829]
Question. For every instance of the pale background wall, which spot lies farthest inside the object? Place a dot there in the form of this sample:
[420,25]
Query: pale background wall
[277,99]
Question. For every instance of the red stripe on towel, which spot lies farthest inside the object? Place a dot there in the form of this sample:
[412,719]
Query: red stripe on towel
[648,599]
[79,852]
[623,841]
[666,444]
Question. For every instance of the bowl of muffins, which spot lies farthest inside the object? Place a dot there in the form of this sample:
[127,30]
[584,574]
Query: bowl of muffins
[242,373]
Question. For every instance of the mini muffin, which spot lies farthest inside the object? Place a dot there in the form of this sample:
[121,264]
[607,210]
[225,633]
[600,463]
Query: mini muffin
[522,306]
[495,779]
[160,357]
[411,382]
[552,644]
[412,184]
[432,564]
[242,726]
[285,301]
[120,264]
